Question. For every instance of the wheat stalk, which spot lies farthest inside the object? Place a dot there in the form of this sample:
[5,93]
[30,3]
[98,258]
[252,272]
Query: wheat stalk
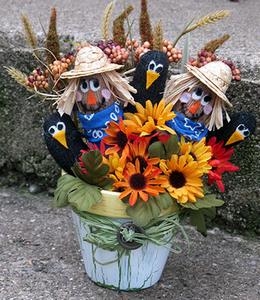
[106,20]
[208,19]
[19,77]
[158,37]
[213,45]
[28,31]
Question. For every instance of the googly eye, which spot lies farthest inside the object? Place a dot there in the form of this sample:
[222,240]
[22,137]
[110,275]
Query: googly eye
[206,100]
[60,126]
[246,133]
[84,87]
[152,65]
[159,68]
[94,84]
[241,127]
[197,93]
[52,130]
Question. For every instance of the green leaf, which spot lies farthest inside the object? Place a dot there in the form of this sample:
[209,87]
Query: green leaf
[172,146]
[96,170]
[197,219]
[143,212]
[164,200]
[157,149]
[65,183]
[83,196]
[206,202]
[209,212]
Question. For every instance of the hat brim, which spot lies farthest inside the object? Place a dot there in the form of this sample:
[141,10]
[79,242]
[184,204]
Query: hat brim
[77,74]
[204,79]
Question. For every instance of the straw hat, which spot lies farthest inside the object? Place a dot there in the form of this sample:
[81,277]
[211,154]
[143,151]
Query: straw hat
[216,76]
[90,60]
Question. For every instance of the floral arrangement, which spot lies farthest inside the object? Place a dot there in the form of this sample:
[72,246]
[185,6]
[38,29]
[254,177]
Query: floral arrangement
[143,159]
[145,149]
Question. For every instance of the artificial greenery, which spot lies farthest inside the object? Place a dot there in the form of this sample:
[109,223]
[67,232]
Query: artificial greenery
[164,150]
[92,170]
[75,192]
[142,213]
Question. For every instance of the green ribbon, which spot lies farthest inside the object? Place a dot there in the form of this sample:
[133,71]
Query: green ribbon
[102,232]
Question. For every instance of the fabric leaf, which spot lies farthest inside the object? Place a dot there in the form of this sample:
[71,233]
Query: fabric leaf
[197,219]
[206,202]
[143,212]
[65,183]
[171,146]
[164,201]
[83,196]
[157,149]
[93,170]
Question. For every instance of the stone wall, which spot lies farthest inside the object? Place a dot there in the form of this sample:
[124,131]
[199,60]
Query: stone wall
[24,158]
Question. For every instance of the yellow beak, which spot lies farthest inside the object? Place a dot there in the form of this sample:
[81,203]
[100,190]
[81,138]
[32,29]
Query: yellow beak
[61,138]
[151,76]
[235,137]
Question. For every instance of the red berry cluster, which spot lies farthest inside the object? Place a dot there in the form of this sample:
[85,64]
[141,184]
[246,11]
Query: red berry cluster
[60,66]
[140,50]
[114,52]
[38,78]
[235,71]
[174,55]
[204,57]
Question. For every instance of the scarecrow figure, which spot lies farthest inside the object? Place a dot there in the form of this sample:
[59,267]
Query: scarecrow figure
[199,99]
[96,90]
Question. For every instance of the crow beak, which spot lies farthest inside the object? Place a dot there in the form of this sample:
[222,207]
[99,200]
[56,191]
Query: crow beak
[61,138]
[151,76]
[235,137]
[194,107]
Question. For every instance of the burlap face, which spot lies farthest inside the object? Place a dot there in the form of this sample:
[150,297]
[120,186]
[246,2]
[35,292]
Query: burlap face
[93,95]
[196,104]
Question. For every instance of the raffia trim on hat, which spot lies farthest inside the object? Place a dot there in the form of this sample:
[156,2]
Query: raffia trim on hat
[119,87]
[186,82]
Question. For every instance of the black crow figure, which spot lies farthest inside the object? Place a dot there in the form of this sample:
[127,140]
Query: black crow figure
[149,78]
[63,140]
[240,127]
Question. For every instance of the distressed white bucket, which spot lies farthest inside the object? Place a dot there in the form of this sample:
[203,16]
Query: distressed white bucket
[139,269]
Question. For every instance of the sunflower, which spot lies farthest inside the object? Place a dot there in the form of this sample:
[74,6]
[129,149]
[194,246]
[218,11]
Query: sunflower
[184,181]
[140,184]
[117,138]
[197,151]
[116,166]
[139,150]
[150,118]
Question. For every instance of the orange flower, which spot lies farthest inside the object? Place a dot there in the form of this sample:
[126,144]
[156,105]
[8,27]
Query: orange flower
[139,150]
[118,137]
[140,184]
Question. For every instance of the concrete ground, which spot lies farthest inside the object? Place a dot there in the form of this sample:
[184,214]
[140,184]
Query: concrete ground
[40,259]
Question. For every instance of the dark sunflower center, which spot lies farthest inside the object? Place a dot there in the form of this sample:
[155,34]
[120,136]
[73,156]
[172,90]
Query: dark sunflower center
[121,139]
[137,181]
[177,179]
[143,163]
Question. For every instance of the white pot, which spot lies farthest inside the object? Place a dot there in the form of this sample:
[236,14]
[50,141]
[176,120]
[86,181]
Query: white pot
[138,269]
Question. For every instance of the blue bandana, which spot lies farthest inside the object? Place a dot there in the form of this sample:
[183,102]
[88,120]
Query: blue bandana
[193,131]
[94,124]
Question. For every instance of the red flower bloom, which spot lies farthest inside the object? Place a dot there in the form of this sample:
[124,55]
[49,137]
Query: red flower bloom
[220,162]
